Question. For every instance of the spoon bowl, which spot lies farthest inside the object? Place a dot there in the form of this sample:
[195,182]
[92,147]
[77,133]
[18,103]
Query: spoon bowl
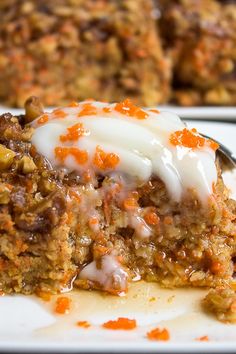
[226,156]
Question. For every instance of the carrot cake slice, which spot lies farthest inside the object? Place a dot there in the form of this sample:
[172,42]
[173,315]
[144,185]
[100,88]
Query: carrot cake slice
[95,195]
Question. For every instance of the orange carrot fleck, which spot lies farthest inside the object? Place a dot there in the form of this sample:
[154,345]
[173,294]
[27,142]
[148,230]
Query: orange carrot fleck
[141,53]
[130,203]
[168,220]
[191,139]
[100,251]
[121,323]
[216,267]
[93,220]
[81,156]
[154,110]
[43,119]
[233,306]
[75,132]
[59,113]
[158,334]
[87,110]
[104,160]
[94,223]
[106,109]
[44,295]
[213,187]
[129,109]
[84,324]
[33,151]
[69,217]
[203,339]
[62,305]
[151,218]
[73,104]
[75,195]
[87,176]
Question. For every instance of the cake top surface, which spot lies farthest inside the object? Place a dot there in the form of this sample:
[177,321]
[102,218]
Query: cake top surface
[96,138]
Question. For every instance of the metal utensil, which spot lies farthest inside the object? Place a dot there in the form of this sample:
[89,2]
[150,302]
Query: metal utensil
[227,157]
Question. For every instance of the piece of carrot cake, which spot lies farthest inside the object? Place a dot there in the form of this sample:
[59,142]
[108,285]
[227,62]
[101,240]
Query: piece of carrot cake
[94,195]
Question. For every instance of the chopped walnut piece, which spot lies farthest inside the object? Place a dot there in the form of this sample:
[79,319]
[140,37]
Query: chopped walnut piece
[27,164]
[6,157]
[33,108]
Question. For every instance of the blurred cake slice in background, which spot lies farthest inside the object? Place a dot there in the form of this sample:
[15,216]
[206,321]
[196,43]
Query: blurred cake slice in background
[202,43]
[62,50]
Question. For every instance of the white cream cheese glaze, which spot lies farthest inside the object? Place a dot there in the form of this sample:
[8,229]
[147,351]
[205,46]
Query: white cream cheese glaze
[143,147]
[109,274]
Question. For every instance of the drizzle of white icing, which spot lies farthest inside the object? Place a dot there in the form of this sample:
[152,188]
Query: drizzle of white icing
[141,228]
[142,145]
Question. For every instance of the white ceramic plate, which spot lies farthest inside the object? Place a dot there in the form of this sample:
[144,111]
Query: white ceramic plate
[28,324]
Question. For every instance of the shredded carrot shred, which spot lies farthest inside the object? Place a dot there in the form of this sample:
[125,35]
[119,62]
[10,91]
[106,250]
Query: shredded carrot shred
[87,110]
[104,160]
[151,218]
[191,139]
[129,109]
[81,156]
[121,323]
[158,334]
[203,339]
[74,133]
[62,305]
[84,324]
[43,119]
